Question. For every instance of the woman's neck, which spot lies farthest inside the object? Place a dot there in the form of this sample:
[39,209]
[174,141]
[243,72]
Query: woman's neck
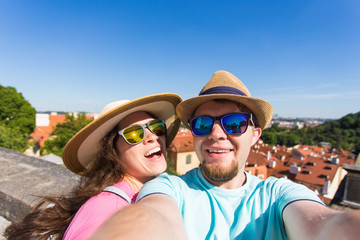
[134,183]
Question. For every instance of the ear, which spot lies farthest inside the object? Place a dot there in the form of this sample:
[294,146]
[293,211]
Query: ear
[256,135]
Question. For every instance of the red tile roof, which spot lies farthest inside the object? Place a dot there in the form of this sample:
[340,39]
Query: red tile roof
[183,142]
[43,132]
[315,165]
[256,159]
[315,170]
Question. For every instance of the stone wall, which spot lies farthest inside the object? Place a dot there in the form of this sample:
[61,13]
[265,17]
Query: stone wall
[23,178]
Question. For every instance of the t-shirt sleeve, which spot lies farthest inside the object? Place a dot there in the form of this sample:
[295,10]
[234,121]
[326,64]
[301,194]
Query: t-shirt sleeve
[289,192]
[162,184]
[93,214]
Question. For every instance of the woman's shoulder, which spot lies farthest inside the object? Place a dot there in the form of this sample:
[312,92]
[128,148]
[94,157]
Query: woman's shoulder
[94,212]
[104,200]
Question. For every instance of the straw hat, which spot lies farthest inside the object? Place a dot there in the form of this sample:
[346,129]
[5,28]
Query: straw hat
[224,85]
[83,147]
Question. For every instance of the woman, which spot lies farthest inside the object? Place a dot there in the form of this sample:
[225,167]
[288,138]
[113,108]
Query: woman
[115,155]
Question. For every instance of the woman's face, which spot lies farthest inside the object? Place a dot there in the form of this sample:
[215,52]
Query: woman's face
[144,160]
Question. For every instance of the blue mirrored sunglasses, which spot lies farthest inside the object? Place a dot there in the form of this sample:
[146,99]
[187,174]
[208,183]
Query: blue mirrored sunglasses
[233,124]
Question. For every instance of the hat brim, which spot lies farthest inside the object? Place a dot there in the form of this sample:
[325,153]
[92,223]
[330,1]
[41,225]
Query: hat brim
[262,110]
[82,149]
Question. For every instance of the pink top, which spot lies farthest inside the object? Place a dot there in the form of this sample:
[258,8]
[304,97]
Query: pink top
[95,211]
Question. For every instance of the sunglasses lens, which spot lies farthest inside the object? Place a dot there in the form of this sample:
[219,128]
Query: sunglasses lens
[157,127]
[134,134]
[201,126]
[235,123]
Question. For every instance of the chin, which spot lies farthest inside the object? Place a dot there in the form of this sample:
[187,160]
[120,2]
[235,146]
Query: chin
[158,170]
[220,173]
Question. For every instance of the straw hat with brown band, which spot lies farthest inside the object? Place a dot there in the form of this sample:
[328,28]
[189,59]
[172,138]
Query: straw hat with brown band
[83,147]
[224,85]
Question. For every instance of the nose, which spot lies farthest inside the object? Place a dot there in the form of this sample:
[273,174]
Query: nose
[217,132]
[149,136]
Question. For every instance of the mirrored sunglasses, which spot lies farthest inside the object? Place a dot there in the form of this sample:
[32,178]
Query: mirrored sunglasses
[135,134]
[233,124]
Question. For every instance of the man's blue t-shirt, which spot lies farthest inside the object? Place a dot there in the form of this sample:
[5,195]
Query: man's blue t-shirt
[253,211]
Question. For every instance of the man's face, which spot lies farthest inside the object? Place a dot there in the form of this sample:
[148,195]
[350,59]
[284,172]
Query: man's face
[223,156]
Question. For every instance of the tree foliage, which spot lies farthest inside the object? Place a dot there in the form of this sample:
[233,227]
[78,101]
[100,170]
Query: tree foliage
[17,119]
[63,132]
[12,138]
[342,134]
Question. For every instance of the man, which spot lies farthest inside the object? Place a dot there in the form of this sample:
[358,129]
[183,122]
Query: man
[219,200]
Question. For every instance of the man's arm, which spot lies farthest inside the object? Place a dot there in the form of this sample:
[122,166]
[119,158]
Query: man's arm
[311,220]
[154,217]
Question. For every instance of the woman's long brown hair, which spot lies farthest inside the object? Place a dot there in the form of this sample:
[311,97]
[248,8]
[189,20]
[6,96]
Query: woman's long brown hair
[44,221]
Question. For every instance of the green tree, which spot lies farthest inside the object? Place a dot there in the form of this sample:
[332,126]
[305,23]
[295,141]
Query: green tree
[357,147]
[343,133]
[348,121]
[17,119]
[12,138]
[292,139]
[63,132]
[269,137]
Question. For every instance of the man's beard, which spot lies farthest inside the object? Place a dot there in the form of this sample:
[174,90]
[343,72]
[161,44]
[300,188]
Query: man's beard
[217,173]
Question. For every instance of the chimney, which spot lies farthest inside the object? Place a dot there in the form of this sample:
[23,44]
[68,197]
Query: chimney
[268,155]
[272,164]
[326,187]
[294,169]
[335,160]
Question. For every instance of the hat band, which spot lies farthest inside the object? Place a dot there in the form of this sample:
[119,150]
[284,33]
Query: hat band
[222,90]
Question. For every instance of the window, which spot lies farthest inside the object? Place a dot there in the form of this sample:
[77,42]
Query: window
[352,187]
[188,159]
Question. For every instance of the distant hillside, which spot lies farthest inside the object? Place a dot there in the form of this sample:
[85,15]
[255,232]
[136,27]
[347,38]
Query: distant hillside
[341,134]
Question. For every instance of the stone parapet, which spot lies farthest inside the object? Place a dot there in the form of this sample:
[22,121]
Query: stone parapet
[24,178]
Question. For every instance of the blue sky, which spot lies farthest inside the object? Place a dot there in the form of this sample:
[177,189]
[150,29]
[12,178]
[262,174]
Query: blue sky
[301,56]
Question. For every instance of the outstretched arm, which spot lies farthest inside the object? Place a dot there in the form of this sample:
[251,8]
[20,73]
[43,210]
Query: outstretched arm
[154,217]
[311,220]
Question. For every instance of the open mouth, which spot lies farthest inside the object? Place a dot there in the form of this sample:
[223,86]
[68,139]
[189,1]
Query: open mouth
[218,151]
[153,152]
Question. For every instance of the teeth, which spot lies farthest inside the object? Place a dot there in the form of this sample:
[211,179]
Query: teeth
[218,151]
[155,150]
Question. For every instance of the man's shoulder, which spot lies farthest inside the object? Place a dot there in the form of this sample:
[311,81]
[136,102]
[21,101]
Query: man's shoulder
[190,175]
[270,182]
[168,184]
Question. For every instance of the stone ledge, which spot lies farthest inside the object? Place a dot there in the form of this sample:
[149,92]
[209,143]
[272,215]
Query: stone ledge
[3,224]
[24,178]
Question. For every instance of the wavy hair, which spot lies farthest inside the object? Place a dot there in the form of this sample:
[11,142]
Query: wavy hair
[52,215]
